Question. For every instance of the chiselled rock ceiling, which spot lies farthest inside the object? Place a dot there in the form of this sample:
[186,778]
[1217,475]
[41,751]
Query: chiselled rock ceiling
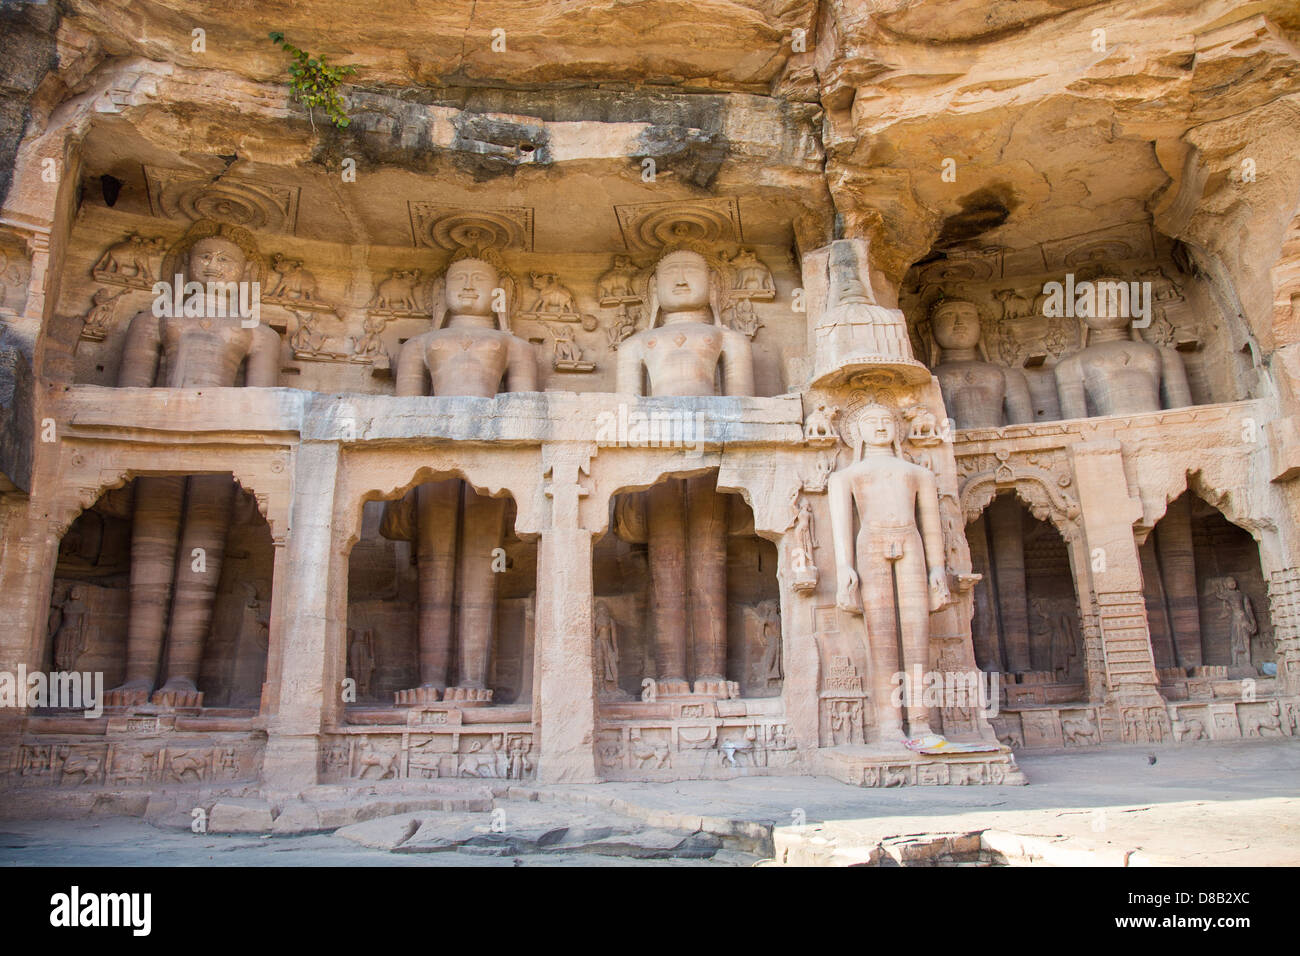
[1060,118]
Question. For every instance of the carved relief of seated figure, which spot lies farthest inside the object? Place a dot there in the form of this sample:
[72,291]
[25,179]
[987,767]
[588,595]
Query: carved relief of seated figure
[1116,374]
[687,527]
[470,351]
[171,597]
[976,393]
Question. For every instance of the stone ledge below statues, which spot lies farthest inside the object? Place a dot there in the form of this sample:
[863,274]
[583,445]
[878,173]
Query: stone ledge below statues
[199,415]
[877,766]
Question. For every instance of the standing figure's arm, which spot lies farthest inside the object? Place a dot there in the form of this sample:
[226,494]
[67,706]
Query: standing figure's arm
[139,365]
[737,364]
[521,372]
[932,538]
[264,359]
[628,375]
[841,504]
[1174,379]
[1070,390]
[411,367]
[1020,406]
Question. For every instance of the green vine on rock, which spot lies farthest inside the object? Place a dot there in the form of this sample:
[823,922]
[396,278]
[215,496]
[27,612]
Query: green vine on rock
[314,84]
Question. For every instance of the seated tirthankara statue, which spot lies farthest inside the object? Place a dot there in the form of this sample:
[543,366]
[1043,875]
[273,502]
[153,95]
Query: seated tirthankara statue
[1116,374]
[882,573]
[175,515]
[470,351]
[687,517]
[976,393]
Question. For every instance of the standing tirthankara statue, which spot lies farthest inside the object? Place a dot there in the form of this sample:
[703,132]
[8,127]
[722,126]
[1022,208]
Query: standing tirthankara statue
[679,354]
[178,519]
[470,351]
[976,393]
[1242,624]
[892,572]
[1116,374]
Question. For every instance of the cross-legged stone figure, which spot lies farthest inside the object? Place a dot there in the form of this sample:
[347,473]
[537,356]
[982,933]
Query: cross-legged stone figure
[178,536]
[470,352]
[977,393]
[686,518]
[882,572]
[1118,375]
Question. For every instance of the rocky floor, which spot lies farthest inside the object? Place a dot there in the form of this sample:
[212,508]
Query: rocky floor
[1204,805]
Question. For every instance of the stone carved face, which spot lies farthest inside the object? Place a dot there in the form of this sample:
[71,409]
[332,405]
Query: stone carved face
[682,282]
[469,287]
[956,324]
[216,259]
[876,426]
[1100,323]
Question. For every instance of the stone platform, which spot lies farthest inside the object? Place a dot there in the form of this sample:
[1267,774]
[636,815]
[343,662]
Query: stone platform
[879,766]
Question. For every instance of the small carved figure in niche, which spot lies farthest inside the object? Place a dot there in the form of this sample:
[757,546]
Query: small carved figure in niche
[370,344]
[750,275]
[1242,625]
[892,571]
[519,763]
[769,621]
[607,651]
[397,293]
[1116,373]
[1014,305]
[656,755]
[1079,730]
[361,660]
[819,427]
[129,259]
[1062,628]
[744,319]
[624,324]
[551,295]
[977,393]
[803,561]
[291,282]
[568,354]
[619,282]
[307,340]
[71,638]
[99,320]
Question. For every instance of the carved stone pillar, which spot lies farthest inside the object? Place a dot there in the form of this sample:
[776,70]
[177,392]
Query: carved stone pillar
[564,638]
[312,599]
[26,578]
[1114,572]
[1284,610]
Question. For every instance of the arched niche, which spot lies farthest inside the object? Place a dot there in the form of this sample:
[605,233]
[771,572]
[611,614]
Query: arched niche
[1188,560]
[749,595]
[382,642]
[1026,622]
[91,597]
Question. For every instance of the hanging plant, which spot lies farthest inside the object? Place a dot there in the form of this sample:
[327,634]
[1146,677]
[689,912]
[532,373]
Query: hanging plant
[314,83]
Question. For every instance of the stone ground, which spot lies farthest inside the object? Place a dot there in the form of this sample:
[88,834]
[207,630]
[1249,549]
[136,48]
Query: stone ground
[1234,803]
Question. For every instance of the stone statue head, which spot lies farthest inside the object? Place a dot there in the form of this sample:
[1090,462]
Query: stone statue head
[1098,323]
[955,324]
[1230,583]
[876,425]
[683,281]
[469,288]
[216,259]
[213,251]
